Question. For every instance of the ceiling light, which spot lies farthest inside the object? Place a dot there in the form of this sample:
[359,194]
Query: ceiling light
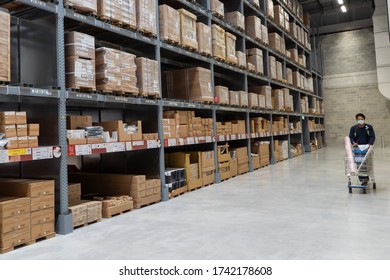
[341,2]
[343,9]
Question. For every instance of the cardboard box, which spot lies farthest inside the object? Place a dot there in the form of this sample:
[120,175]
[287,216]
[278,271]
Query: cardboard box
[5,47]
[294,55]
[234,98]
[243,99]
[279,70]
[236,19]
[270,9]
[21,117]
[146,16]
[33,129]
[241,59]
[169,25]
[204,38]
[23,142]
[123,11]
[43,216]
[296,79]
[255,161]
[275,41]
[12,143]
[79,214]
[279,16]
[119,127]
[14,238]
[272,67]
[289,76]
[218,41]
[230,43]
[183,131]
[253,100]
[233,167]
[83,5]
[15,222]
[223,94]
[266,91]
[11,206]
[264,34]
[33,141]
[255,56]
[147,77]
[217,7]
[79,45]
[9,130]
[74,193]
[188,35]
[21,130]
[7,117]
[262,102]
[253,27]
[80,73]
[75,122]
[42,202]
[207,161]
[42,230]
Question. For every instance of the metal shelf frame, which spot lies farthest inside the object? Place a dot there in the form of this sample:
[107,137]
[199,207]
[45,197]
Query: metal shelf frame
[68,99]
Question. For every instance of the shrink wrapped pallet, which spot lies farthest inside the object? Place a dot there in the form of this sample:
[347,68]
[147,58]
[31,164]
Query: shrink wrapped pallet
[5,47]
[169,24]
[147,77]
[204,38]
[146,16]
[230,43]
[188,29]
[219,46]
[255,57]
[83,6]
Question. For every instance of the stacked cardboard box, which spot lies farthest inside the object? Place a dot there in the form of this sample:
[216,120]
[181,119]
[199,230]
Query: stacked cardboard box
[272,67]
[230,43]
[275,41]
[170,128]
[243,99]
[305,104]
[146,16]
[116,204]
[115,71]
[169,24]
[5,47]
[242,160]
[238,127]
[122,12]
[182,124]
[262,149]
[289,74]
[270,9]
[278,99]
[207,163]
[188,36]
[264,34]
[255,57]
[223,94]
[74,193]
[236,19]
[118,184]
[288,100]
[279,16]
[85,6]
[15,222]
[224,159]
[287,21]
[147,77]
[192,84]
[17,132]
[253,100]
[80,61]
[217,7]
[294,54]
[297,79]
[41,198]
[189,161]
[85,212]
[302,60]
[279,71]
[234,98]
[218,42]
[204,38]
[129,131]
[241,59]
[265,91]
[279,124]
[253,27]
[259,125]
[224,128]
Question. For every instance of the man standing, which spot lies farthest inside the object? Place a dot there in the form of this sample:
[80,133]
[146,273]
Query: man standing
[362,134]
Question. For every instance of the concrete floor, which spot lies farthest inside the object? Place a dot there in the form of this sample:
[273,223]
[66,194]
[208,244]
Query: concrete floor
[297,209]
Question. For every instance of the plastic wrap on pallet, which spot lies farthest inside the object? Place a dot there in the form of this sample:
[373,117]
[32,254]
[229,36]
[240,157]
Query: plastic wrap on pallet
[147,76]
[5,47]
[146,16]
[123,11]
[255,57]
[241,58]
[188,36]
[204,38]
[89,6]
[270,9]
[253,100]
[219,44]
[236,19]
[243,98]
[169,24]
[234,98]
[217,7]
[223,94]
[230,44]
[350,163]
[79,45]
[80,72]
[253,27]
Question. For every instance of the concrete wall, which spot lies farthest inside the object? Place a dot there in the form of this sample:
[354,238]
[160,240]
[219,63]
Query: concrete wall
[351,86]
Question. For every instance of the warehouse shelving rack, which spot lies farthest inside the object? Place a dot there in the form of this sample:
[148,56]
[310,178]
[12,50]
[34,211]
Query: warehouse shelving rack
[38,86]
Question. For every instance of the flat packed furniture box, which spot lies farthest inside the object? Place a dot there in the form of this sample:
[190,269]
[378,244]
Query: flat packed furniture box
[5,47]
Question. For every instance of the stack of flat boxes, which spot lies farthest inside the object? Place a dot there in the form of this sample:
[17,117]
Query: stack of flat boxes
[170,128]
[207,164]
[234,98]
[218,42]
[224,161]
[230,43]
[288,100]
[204,38]
[224,128]
[253,100]
[236,19]
[113,205]
[259,125]
[41,197]
[146,16]
[270,9]
[80,61]
[280,124]
[123,11]
[17,132]
[15,222]
[5,47]
[243,102]
[147,77]
[241,59]
[255,57]
[278,99]
[218,8]
[305,104]
[182,124]
[262,150]
[242,160]
[238,127]
[265,96]
[83,5]
[188,35]
[169,25]
[223,94]
[253,27]
[279,16]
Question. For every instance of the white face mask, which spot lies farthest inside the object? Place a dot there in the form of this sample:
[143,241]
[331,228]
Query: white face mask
[360,122]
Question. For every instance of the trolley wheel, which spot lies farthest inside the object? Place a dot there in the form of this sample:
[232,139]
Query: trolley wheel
[374,186]
[350,190]
[364,191]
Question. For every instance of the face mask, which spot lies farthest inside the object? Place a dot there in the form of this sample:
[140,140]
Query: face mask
[360,122]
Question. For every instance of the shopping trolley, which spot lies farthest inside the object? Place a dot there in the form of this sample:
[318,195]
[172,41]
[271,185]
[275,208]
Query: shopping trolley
[360,168]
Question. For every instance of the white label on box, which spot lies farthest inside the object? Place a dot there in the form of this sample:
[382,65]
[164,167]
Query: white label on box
[253,135]
[151,144]
[209,139]
[202,139]
[116,147]
[99,146]
[138,143]
[221,137]
[4,156]
[171,142]
[42,153]
[190,140]
[129,146]
[233,137]
[82,150]
[181,142]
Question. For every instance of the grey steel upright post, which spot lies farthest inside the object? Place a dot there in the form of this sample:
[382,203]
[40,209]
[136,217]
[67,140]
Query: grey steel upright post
[164,190]
[64,220]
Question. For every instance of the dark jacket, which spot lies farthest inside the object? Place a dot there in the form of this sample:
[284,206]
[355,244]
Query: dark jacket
[362,136]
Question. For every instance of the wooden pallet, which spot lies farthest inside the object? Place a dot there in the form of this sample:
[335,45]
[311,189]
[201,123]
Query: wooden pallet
[218,15]
[147,33]
[189,48]
[177,192]
[207,185]
[205,54]
[111,20]
[242,172]
[220,59]
[171,42]
[9,249]
[4,83]
[82,10]
[87,224]
[118,93]
[108,216]
[196,188]
[51,235]
[145,205]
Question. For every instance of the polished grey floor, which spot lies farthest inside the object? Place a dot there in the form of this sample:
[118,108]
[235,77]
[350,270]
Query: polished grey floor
[297,209]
